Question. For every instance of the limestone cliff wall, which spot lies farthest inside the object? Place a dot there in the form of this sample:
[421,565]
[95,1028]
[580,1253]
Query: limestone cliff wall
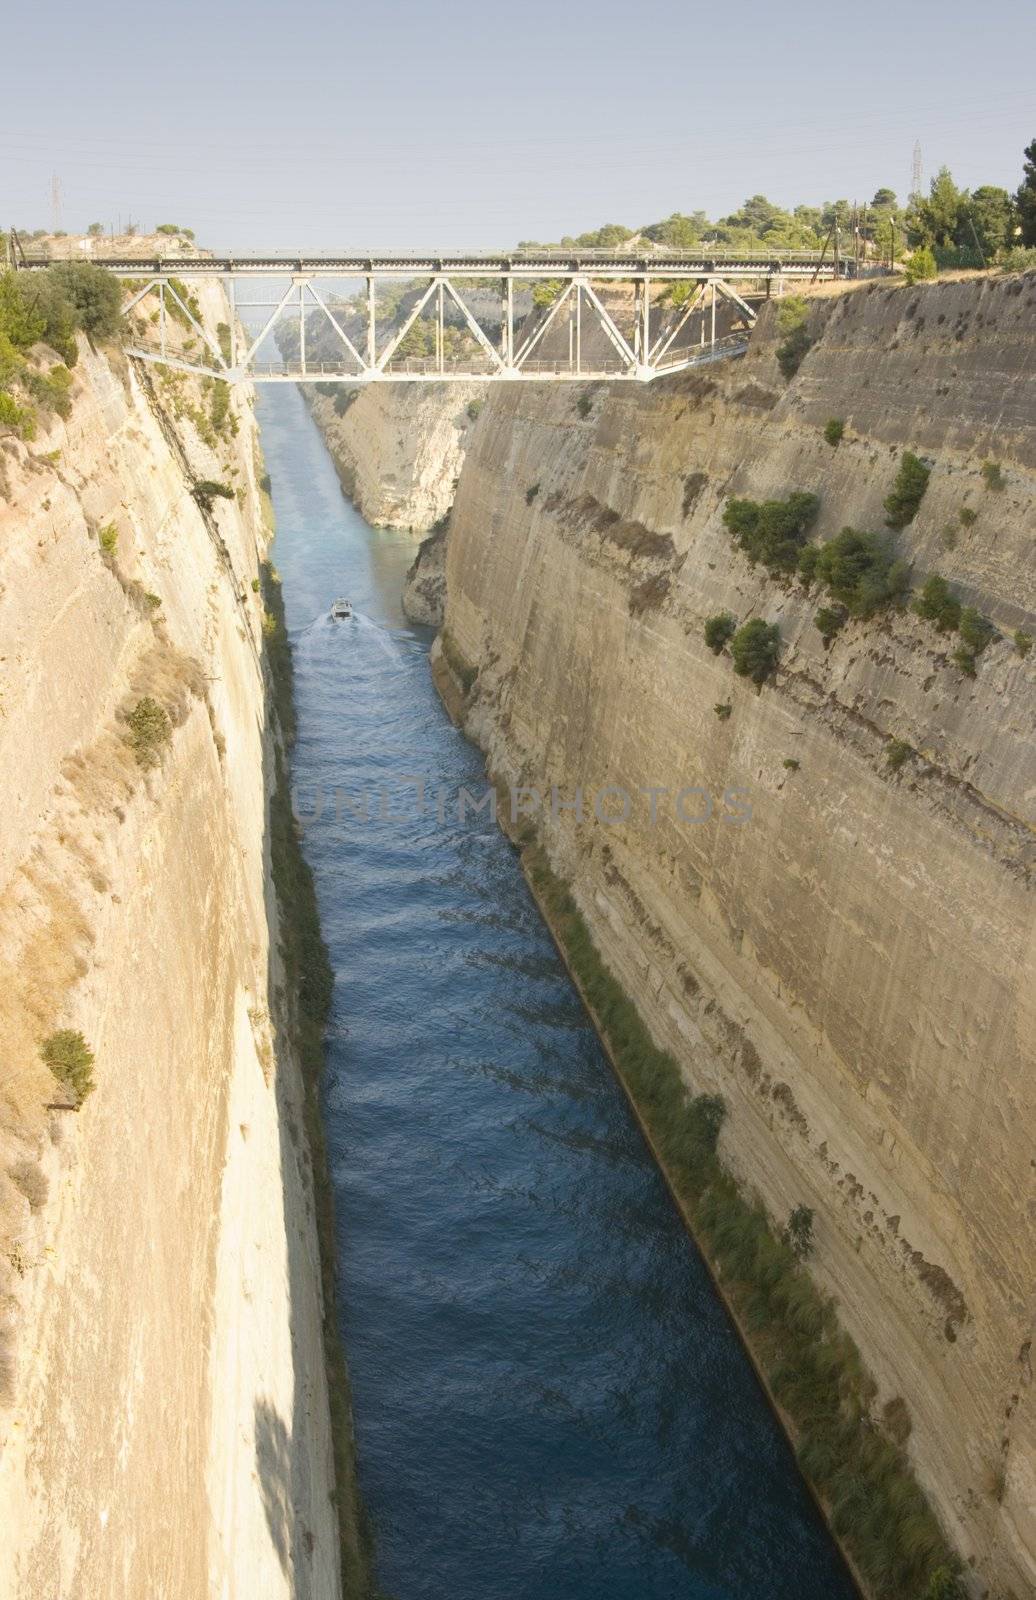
[163,1406]
[853,967]
[399,448]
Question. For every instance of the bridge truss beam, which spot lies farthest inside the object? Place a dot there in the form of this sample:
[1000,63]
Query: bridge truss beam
[647,352]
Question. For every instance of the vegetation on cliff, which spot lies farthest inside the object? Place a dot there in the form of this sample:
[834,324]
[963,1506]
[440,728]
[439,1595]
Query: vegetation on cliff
[772,531]
[49,309]
[71,1060]
[855,1460]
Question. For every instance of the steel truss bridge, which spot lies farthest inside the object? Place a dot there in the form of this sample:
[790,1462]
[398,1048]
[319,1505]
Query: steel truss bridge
[587,342]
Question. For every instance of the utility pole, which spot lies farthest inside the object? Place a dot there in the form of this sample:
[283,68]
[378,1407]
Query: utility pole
[917,173]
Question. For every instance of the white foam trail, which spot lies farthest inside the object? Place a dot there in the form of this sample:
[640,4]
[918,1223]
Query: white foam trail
[383,637]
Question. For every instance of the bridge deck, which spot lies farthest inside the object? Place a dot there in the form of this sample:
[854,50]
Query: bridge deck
[517,264]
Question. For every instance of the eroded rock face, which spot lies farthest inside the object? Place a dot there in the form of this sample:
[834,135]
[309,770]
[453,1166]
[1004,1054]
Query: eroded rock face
[163,1405]
[399,448]
[424,594]
[852,967]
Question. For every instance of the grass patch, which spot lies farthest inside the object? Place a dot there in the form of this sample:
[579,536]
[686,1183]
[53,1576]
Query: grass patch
[834,429]
[1023,643]
[108,538]
[992,477]
[71,1060]
[814,1369]
[896,752]
[148,729]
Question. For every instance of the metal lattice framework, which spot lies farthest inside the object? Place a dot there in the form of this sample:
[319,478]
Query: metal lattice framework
[655,340]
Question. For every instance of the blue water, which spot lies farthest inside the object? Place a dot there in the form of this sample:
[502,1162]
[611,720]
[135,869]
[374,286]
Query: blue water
[550,1402]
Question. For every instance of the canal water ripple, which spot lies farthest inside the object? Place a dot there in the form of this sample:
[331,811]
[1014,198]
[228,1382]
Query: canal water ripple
[550,1402]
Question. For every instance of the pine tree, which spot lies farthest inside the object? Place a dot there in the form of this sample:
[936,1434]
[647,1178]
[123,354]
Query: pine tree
[1026,196]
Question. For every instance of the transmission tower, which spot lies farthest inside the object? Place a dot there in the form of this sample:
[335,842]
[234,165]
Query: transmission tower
[55,203]
[917,174]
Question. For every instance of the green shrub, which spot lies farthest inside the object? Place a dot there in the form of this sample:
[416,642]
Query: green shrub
[108,538]
[772,531]
[255,585]
[975,629]
[992,477]
[718,630]
[49,389]
[344,399]
[12,415]
[723,711]
[22,321]
[152,601]
[219,409]
[833,431]
[896,752]
[546,292]
[1022,258]
[790,764]
[922,265]
[706,1114]
[584,405]
[828,621]
[861,571]
[206,491]
[531,493]
[71,1060]
[754,648]
[181,305]
[94,295]
[791,321]
[964,659]
[475,409]
[937,603]
[901,506]
[968,517]
[149,728]
[798,1233]
[1023,643]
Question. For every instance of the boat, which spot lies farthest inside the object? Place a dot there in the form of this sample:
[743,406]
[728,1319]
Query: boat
[341,610]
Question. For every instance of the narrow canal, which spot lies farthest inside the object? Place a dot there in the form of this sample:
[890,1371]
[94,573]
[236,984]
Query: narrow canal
[550,1403]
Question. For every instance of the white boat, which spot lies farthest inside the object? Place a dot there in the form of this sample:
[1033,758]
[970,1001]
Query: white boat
[341,610]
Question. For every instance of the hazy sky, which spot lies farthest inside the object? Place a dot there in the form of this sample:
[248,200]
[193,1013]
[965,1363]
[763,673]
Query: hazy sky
[308,125]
